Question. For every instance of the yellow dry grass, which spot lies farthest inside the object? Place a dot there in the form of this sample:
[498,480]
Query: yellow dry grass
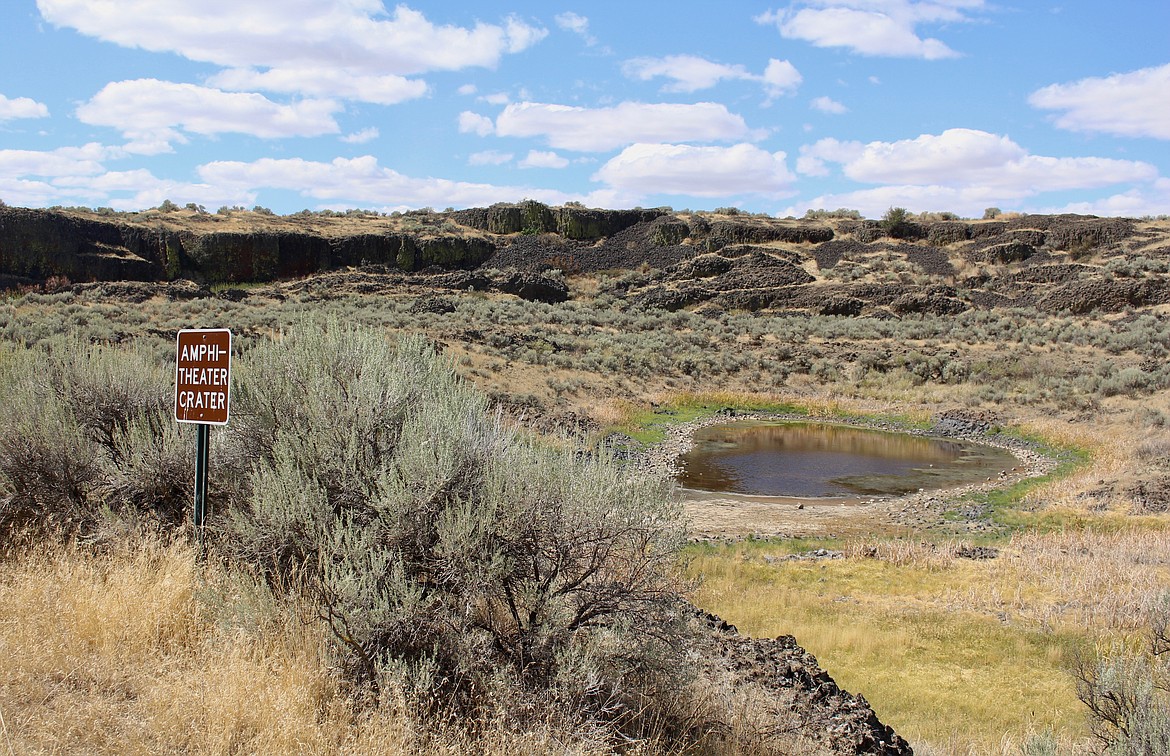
[141,651]
[960,656]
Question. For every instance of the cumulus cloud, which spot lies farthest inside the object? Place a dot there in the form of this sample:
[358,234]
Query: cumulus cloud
[153,113]
[601,129]
[645,169]
[362,180]
[474,123]
[960,170]
[21,107]
[781,76]
[78,175]
[361,137]
[543,159]
[887,29]
[63,161]
[285,38]
[966,157]
[690,73]
[489,157]
[828,105]
[1134,203]
[1131,104]
[386,89]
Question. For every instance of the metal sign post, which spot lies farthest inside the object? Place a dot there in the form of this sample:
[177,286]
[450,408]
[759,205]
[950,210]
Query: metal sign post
[203,363]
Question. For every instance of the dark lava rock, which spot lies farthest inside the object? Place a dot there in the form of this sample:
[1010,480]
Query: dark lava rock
[438,305]
[1105,295]
[234,295]
[703,266]
[843,722]
[977,552]
[724,233]
[838,305]
[963,422]
[534,287]
[928,302]
[673,299]
[1150,496]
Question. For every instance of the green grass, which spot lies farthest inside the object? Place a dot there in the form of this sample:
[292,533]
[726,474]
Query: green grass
[938,674]
[1004,504]
[650,425]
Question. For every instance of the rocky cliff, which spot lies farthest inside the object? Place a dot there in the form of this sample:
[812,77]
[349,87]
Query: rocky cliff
[831,266]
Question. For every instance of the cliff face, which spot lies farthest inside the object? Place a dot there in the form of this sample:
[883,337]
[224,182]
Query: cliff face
[738,262]
[38,244]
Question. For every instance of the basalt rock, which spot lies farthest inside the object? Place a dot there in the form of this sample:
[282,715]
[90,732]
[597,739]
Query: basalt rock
[38,244]
[725,233]
[534,287]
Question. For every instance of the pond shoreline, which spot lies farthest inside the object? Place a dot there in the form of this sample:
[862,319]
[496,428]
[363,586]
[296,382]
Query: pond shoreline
[722,517]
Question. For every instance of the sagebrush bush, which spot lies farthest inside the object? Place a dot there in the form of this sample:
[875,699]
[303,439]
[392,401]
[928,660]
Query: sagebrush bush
[1127,692]
[88,433]
[450,555]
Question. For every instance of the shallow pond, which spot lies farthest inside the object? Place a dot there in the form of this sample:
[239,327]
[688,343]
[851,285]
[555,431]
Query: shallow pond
[800,459]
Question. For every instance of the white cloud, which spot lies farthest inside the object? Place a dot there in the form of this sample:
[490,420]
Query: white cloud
[543,159]
[386,89]
[1135,203]
[153,113]
[363,181]
[1131,104]
[467,89]
[645,169]
[521,36]
[474,123]
[869,27]
[600,129]
[966,157]
[77,175]
[489,157]
[690,73]
[21,107]
[64,161]
[781,76]
[828,105]
[496,98]
[361,137]
[576,24]
[962,170]
[287,36]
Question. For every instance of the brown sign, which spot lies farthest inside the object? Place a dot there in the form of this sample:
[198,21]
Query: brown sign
[203,376]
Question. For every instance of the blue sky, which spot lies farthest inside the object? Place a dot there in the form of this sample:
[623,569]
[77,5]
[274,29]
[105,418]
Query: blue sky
[952,105]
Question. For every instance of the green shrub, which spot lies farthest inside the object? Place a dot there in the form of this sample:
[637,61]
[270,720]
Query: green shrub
[89,432]
[1127,692]
[451,556]
[897,224]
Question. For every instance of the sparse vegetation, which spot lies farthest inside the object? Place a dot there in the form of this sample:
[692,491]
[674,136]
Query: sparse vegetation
[333,546]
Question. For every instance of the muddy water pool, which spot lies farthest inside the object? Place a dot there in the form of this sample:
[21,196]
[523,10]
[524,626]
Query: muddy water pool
[825,460]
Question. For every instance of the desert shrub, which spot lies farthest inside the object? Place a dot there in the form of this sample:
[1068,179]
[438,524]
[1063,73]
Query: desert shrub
[1127,692]
[844,213]
[454,558]
[897,224]
[88,433]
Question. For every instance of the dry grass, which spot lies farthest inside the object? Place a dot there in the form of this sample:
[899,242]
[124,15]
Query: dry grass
[1077,579]
[140,651]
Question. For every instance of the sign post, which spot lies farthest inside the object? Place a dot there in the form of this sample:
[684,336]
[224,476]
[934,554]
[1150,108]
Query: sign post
[203,363]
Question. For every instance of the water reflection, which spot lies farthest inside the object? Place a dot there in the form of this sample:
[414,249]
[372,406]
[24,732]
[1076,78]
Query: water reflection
[824,460]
